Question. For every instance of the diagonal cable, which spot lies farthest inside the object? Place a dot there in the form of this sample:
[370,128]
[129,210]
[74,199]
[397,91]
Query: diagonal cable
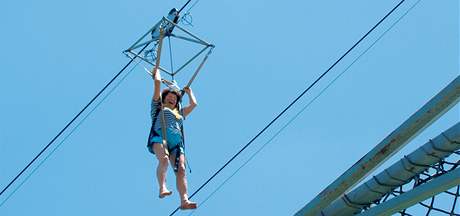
[68,135]
[70,122]
[305,107]
[292,103]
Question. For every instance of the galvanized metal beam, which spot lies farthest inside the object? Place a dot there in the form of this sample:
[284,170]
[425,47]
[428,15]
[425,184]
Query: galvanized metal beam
[426,115]
[418,194]
[397,174]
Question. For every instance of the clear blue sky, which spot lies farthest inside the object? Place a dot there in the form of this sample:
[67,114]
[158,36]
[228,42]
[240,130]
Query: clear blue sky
[57,54]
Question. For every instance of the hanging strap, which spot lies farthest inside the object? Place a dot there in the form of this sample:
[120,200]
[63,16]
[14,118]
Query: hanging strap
[157,65]
[198,69]
[176,151]
[182,94]
[155,115]
[183,134]
[163,128]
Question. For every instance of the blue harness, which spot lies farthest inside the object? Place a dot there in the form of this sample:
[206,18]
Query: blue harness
[176,150]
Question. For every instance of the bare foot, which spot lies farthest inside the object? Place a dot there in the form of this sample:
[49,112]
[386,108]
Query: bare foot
[188,205]
[164,193]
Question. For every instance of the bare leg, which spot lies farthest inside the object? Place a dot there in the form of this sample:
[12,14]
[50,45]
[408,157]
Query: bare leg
[161,169]
[181,183]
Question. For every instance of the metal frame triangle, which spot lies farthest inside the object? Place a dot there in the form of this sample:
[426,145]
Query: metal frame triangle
[152,37]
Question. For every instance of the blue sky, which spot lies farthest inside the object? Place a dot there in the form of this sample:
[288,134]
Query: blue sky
[58,54]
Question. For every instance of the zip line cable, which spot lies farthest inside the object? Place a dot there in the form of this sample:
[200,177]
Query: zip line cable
[305,107]
[193,5]
[292,103]
[185,5]
[70,122]
[69,134]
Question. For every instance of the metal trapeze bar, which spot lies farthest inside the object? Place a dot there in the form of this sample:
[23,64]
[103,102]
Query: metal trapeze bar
[141,44]
[148,61]
[190,60]
[194,39]
[188,39]
[137,44]
[186,31]
[148,32]
[199,68]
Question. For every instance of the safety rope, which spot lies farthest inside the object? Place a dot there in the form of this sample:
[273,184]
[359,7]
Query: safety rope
[171,57]
[69,123]
[162,113]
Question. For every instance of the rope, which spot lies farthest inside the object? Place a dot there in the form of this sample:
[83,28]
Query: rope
[68,135]
[171,57]
[291,104]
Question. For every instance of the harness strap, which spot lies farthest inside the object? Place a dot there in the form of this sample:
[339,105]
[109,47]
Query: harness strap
[182,131]
[163,127]
[155,115]
[176,151]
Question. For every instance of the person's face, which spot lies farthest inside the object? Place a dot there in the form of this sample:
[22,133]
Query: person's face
[170,100]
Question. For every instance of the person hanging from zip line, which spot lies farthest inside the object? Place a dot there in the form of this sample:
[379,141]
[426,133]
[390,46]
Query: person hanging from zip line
[166,138]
